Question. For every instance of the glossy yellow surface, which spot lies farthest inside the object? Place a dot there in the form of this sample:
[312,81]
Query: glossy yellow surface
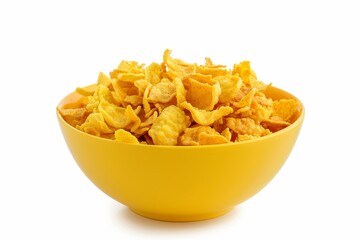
[181,183]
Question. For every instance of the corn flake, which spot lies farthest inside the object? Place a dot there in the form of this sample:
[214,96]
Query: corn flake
[113,115]
[180,91]
[203,95]
[246,126]
[153,73]
[179,103]
[229,85]
[95,125]
[168,126]
[204,117]
[190,136]
[285,108]
[103,79]
[162,92]
[74,116]
[227,134]
[209,139]
[124,136]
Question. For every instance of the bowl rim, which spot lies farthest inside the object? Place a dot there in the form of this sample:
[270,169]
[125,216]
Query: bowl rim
[295,124]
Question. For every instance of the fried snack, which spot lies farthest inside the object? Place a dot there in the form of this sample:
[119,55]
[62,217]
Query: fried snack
[201,135]
[167,127]
[204,117]
[162,92]
[95,125]
[203,95]
[124,136]
[178,103]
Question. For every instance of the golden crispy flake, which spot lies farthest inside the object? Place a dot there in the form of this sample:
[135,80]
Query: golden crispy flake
[159,107]
[133,120]
[213,71]
[209,139]
[127,67]
[95,125]
[242,110]
[162,92]
[247,99]
[124,136]
[116,99]
[73,116]
[199,77]
[274,123]
[190,137]
[248,76]
[285,108]
[102,93]
[229,85]
[203,95]
[176,67]
[260,112]
[74,112]
[137,110]
[153,73]
[263,99]
[149,121]
[245,126]
[141,86]
[180,92]
[133,100]
[141,131]
[146,104]
[244,137]
[168,126]
[151,112]
[114,116]
[201,135]
[92,104]
[227,134]
[104,80]
[204,117]
[242,92]
[130,67]
[130,77]
[123,89]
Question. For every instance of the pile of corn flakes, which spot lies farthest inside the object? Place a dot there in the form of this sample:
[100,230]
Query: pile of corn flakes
[177,103]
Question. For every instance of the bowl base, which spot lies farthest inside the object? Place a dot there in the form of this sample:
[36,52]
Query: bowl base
[180,218]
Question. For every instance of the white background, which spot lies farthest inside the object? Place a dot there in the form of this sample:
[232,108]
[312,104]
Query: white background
[309,48]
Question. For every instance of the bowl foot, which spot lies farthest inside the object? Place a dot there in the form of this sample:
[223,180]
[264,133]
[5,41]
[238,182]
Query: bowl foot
[180,218]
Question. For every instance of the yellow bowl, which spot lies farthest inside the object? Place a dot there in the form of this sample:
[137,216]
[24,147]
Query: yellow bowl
[181,183]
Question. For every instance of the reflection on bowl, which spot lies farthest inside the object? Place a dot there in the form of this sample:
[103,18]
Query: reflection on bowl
[182,183]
